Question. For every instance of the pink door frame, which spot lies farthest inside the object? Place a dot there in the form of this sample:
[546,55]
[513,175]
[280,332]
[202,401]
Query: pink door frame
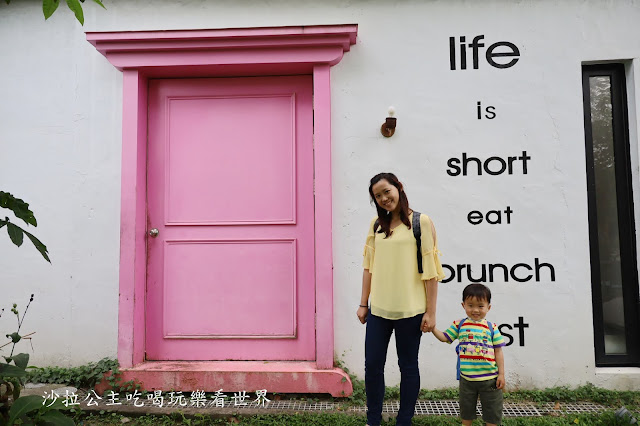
[213,53]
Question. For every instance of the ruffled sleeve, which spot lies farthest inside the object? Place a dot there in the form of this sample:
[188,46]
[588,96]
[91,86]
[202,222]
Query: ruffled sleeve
[369,248]
[431,266]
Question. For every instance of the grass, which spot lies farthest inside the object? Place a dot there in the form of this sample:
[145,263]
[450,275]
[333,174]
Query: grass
[587,392]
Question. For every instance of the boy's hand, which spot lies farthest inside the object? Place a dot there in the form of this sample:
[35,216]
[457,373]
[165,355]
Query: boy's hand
[500,362]
[439,335]
[500,381]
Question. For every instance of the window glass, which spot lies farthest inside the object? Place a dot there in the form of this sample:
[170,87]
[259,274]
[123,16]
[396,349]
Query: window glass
[607,215]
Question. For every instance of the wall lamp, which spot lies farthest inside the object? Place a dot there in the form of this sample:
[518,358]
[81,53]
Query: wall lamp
[389,126]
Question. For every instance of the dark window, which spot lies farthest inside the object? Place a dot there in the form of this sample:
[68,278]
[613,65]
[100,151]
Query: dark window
[614,273]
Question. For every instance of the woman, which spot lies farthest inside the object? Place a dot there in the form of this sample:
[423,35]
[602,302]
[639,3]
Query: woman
[395,296]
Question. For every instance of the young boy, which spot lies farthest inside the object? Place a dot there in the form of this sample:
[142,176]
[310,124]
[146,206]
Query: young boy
[480,356]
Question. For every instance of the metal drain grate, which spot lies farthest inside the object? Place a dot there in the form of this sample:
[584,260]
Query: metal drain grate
[358,409]
[446,408]
[572,408]
[438,408]
[390,407]
[387,407]
[302,406]
[452,408]
[520,410]
[423,407]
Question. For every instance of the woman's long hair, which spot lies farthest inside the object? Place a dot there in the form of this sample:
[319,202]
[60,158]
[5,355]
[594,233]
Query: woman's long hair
[384,216]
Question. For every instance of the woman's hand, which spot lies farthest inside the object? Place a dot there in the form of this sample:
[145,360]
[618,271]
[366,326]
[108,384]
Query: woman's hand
[362,314]
[429,317]
[428,323]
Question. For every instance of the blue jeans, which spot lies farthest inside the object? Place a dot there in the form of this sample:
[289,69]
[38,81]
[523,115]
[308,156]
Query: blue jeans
[408,336]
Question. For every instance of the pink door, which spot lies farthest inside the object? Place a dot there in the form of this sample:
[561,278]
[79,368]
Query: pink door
[230,274]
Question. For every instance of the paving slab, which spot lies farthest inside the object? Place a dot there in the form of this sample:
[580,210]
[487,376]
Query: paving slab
[46,388]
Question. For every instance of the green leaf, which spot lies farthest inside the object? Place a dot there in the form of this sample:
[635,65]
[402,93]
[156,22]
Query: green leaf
[55,405]
[15,337]
[100,3]
[21,360]
[18,207]
[7,370]
[7,1]
[39,246]
[16,388]
[76,8]
[24,405]
[49,6]
[15,233]
[56,418]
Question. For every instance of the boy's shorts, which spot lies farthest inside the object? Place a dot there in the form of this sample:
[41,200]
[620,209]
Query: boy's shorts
[490,400]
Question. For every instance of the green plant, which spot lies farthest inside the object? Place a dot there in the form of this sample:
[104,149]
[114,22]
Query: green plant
[588,392]
[50,6]
[359,396]
[21,210]
[27,409]
[11,376]
[85,376]
[436,394]
[82,376]
[114,379]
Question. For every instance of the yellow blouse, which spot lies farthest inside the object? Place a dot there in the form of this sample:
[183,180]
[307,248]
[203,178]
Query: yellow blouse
[397,289]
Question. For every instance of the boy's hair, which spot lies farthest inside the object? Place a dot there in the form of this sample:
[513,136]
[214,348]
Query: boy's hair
[479,291]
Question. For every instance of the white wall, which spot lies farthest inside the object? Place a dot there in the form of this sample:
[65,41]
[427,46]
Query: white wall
[60,139]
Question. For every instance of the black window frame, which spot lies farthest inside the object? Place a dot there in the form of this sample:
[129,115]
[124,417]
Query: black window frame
[626,218]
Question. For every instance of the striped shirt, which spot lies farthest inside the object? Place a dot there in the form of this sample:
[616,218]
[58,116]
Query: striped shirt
[477,357]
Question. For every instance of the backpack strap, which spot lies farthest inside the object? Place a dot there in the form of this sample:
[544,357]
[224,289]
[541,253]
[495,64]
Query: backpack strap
[460,324]
[458,349]
[417,233]
[490,330]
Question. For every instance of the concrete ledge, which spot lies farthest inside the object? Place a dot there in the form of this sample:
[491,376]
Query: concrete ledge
[235,376]
[618,370]
[617,378]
